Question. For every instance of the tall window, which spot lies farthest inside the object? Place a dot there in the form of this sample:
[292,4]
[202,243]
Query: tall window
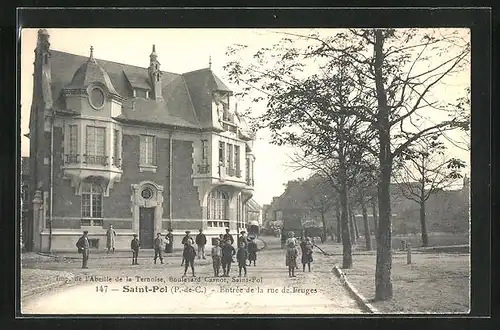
[218,203]
[73,139]
[248,169]
[221,153]
[91,200]
[95,145]
[116,148]
[204,151]
[237,160]
[230,156]
[148,150]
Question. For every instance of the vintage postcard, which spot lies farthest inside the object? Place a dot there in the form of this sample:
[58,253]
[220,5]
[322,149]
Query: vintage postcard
[245,171]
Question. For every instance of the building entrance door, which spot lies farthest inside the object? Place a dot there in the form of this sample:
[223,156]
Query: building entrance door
[146,227]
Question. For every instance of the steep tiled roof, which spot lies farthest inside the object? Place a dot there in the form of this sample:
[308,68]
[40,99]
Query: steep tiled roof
[186,100]
[201,84]
[90,72]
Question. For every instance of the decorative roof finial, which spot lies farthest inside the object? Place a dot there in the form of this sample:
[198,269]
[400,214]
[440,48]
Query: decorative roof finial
[209,62]
[91,57]
[154,49]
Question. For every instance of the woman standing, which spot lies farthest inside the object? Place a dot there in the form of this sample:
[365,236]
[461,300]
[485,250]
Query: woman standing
[110,239]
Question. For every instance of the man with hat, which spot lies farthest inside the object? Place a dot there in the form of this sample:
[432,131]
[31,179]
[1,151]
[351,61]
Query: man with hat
[243,239]
[185,240]
[158,245]
[228,236]
[135,245]
[201,241]
[83,247]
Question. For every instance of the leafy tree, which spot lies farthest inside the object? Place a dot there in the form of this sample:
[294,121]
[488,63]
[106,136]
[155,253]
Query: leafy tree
[424,171]
[382,83]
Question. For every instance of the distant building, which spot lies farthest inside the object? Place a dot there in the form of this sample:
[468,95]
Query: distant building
[143,149]
[253,213]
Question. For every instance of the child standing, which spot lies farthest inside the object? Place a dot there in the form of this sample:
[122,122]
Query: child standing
[188,254]
[216,257]
[242,256]
[135,245]
[306,247]
[291,259]
[252,251]
[227,257]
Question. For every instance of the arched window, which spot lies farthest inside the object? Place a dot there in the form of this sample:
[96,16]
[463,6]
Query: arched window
[91,202]
[218,204]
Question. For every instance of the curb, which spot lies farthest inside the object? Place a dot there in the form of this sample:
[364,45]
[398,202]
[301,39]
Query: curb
[360,299]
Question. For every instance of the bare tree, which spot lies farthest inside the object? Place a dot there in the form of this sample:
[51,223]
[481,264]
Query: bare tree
[425,170]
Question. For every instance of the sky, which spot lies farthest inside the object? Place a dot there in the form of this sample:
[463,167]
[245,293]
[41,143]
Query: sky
[179,51]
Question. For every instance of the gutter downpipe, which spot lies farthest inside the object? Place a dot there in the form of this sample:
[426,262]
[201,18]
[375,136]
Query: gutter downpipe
[51,193]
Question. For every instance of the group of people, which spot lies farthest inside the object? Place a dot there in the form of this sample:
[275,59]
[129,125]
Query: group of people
[223,253]
[306,247]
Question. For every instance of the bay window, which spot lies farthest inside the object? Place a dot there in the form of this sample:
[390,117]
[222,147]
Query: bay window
[95,145]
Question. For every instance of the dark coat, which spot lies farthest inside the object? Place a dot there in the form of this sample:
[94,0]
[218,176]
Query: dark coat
[189,252]
[201,239]
[135,244]
[228,252]
[244,240]
[185,239]
[306,252]
[242,255]
[82,243]
[228,237]
[252,251]
[170,237]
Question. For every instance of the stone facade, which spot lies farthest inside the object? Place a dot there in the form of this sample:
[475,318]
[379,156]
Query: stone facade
[138,148]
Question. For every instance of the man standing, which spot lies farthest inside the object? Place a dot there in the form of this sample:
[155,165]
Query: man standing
[185,240]
[110,239]
[201,241]
[83,248]
[158,245]
[243,239]
[228,236]
[135,245]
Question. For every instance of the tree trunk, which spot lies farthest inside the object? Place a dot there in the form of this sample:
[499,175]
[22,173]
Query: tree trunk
[375,217]
[356,231]
[346,240]
[339,223]
[352,231]
[423,225]
[368,239]
[383,283]
[325,228]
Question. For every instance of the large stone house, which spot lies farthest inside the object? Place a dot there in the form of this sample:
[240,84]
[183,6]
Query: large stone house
[139,148]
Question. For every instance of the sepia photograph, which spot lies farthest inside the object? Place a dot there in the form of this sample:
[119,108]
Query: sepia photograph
[297,171]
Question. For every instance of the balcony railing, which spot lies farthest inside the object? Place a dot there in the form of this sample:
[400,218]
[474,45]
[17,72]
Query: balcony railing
[71,159]
[238,173]
[203,169]
[95,160]
[250,182]
[228,126]
[231,171]
[117,162]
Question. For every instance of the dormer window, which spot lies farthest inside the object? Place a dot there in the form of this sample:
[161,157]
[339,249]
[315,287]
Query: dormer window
[141,93]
